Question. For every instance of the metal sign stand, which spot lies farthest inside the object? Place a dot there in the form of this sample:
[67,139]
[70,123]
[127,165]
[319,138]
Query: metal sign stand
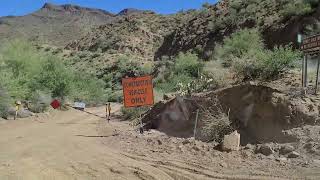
[141,124]
[310,46]
[317,77]
[195,125]
[302,74]
[305,71]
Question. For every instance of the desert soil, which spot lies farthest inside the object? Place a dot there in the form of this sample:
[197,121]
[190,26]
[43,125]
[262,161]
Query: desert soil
[76,145]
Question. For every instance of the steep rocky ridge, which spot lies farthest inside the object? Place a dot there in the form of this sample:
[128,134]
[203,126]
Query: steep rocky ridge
[53,24]
[279,21]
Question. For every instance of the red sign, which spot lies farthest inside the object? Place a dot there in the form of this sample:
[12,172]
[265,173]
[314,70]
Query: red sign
[137,91]
[55,104]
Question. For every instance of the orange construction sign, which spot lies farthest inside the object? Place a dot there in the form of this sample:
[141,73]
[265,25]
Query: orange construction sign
[137,91]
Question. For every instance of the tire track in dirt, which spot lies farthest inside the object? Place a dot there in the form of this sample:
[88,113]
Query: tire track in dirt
[51,150]
[187,170]
[141,174]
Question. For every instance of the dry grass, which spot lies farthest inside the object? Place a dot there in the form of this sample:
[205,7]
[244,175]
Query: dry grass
[215,123]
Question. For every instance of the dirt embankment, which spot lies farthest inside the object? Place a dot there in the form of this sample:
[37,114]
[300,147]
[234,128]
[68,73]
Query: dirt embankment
[261,114]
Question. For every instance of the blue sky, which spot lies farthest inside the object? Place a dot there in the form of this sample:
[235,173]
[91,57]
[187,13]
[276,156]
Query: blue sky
[22,7]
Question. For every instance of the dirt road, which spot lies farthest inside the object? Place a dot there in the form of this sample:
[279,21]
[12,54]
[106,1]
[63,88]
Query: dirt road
[64,146]
[76,145]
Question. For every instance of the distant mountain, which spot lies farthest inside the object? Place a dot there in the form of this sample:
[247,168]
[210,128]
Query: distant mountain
[130,11]
[53,24]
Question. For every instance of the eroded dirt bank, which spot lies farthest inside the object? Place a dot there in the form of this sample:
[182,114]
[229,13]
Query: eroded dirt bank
[274,125]
[261,114]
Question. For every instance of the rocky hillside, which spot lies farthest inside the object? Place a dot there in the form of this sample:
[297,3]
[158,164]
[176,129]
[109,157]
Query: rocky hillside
[150,36]
[279,21]
[52,24]
[134,33]
[147,36]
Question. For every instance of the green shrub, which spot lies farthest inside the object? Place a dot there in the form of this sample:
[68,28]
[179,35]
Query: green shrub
[266,65]
[186,68]
[147,68]
[114,95]
[246,67]
[236,4]
[53,76]
[40,101]
[122,67]
[278,61]
[245,53]
[113,74]
[296,8]
[18,65]
[25,72]
[204,83]
[174,82]
[88,88]
[188,64]
[4,103]
[243,42]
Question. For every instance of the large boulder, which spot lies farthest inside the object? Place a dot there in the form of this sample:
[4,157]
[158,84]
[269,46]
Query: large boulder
[24,113]
[293,154]
[231,142]
[265,149]
[286,149]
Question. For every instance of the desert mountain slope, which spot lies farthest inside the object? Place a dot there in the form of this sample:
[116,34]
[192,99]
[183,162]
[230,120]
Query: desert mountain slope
[53,24]
[279,21]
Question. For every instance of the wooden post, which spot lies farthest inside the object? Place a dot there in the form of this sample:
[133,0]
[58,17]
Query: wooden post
[317,78]
[141,124]
[302,68]
[195,125]
[306,71]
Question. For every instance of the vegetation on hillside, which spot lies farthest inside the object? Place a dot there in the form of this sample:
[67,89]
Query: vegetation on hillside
[212,23]
[183,69]
[124,66]
[244,52]
[26,74]
[4,103]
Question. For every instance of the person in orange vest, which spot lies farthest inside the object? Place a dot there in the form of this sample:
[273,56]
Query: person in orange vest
[108,111]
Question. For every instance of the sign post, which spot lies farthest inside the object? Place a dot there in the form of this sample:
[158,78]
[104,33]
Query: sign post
[311,47]
[195,125]
[138,92]
[305,80]
[317,77]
